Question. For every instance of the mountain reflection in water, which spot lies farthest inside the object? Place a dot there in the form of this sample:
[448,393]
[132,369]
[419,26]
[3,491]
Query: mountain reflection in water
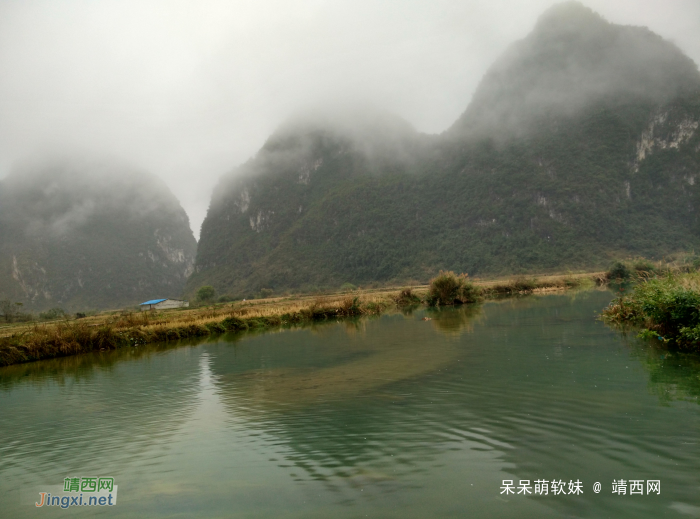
[388,417]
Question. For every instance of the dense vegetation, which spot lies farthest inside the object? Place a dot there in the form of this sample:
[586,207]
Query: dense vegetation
[78,235]
[667,308]
[448,288]
[608,167]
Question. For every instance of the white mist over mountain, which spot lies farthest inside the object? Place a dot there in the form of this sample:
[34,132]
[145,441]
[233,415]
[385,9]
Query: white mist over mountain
[188,90]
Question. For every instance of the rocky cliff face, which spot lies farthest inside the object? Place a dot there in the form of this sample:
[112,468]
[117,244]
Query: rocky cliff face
[581,144]
[87,235]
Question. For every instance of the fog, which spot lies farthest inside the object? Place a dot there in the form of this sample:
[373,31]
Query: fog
[572,60]
[56,196]
[188,90]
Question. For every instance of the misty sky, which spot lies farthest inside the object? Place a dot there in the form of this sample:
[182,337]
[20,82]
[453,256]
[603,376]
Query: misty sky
[190,89]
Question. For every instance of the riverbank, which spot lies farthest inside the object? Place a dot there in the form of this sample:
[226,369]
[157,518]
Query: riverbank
[665,308]
[24,342]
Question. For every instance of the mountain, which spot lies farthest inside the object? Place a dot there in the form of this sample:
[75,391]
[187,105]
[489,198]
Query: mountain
[580,145]
[90,235]
[574,60]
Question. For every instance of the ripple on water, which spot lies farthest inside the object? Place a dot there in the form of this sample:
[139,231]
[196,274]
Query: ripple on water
[390,417]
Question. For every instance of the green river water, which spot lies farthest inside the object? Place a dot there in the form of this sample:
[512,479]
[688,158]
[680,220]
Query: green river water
[392,417]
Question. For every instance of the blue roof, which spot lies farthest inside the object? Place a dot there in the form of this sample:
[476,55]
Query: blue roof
[153,302]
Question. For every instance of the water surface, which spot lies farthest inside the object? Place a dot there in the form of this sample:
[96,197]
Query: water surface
[389,417]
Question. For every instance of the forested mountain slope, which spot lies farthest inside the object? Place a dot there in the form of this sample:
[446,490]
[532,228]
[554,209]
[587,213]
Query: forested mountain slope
[88,235]
[581,144]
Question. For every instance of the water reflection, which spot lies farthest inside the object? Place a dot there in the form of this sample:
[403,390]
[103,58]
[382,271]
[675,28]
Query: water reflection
[530,387]
[344,404]
[85,367]
[454,320]
[389,417]
[98,412]
[673,376]
[333,363]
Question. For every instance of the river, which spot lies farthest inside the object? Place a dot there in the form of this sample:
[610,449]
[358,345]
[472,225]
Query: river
[391,417]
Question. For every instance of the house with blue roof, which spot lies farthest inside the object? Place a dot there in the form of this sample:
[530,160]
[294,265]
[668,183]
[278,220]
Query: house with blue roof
[163,304]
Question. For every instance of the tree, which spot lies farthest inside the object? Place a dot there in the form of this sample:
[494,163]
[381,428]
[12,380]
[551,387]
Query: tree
[6,310]
[206,293]
[9,310]
[54,313]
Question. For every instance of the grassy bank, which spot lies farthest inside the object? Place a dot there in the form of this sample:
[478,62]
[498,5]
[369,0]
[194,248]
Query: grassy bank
[666,308]
[24,343]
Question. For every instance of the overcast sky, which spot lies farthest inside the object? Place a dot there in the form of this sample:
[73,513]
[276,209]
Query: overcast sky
[190,89]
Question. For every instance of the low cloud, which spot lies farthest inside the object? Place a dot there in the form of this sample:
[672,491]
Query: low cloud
[190,90]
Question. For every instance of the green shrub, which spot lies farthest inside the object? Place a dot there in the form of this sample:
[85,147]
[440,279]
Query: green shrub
[234,324]
[172,334]
[618,271]
[347,287]
[669,306]
[470,293]
[448,288]
[406,298]
[257,322]
[273,320]
[216,328]
[206,293]
[689,335]
[196,330]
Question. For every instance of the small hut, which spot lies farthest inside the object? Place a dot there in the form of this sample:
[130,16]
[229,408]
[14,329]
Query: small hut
[163,304]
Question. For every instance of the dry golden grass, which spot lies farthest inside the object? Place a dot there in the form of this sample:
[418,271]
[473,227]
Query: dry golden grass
[23,342]
[262,308]
[691,281]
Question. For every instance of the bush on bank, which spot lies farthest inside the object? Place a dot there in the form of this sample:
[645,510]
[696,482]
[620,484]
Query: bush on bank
[448,288]
[667,308]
